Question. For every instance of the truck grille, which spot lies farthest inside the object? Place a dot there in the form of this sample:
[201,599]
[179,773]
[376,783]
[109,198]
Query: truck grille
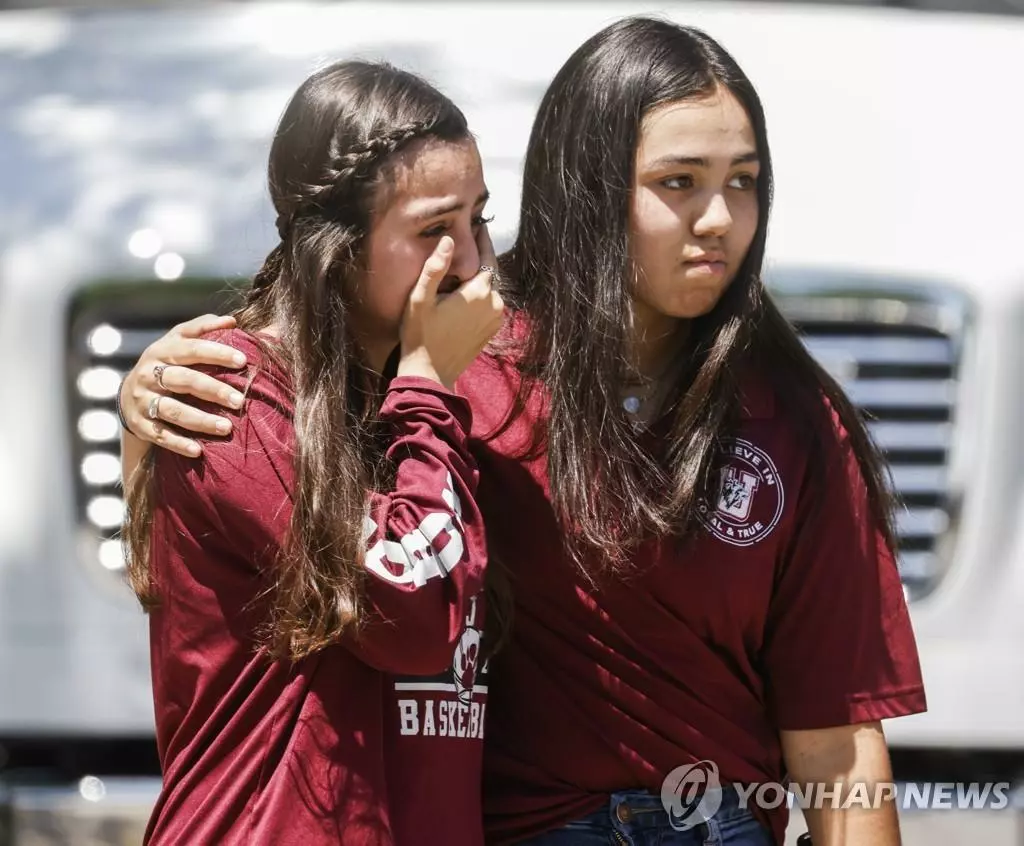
[108,329]
[899,361]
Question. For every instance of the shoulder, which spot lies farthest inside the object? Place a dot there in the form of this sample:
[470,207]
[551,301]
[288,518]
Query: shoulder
[836,472]
[794,434]
[264,374]
[507,407]
[256,456]
[792,407]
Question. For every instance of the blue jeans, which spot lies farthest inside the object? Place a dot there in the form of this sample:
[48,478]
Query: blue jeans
[637,818]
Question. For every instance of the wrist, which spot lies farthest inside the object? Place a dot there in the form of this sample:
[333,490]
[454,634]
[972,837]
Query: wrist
[421,366]
[120,409]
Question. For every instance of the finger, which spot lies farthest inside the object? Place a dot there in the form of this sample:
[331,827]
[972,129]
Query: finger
[191,419]
[159,433]
[476,288]
[486,248]
[434,270]
[205,323]
[185,351]
[183,380]
[468,292]
[492,312]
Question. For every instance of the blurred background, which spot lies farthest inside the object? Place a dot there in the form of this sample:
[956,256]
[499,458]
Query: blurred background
[133,143]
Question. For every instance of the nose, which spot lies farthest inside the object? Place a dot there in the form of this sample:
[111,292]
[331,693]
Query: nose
[466,259]
[715,220]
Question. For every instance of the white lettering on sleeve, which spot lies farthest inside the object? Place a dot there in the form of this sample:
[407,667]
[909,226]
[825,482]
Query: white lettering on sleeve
[414,554]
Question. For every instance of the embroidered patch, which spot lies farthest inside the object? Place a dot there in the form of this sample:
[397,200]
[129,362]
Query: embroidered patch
[749,496]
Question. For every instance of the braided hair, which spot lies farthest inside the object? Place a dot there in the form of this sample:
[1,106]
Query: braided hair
[329,198]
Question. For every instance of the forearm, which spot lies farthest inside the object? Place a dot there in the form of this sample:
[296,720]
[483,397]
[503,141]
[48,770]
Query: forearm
[426,548]
[853,826]
[852,763]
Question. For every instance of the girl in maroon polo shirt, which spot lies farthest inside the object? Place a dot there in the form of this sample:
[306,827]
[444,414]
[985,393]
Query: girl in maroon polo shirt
[694,517]
[315,584]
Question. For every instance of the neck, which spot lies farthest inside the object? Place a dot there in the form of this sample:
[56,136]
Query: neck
[376,356]
[374,350]
[654,347]
[653,356]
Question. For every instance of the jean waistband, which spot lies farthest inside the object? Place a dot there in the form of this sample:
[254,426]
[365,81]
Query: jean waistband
[641,809]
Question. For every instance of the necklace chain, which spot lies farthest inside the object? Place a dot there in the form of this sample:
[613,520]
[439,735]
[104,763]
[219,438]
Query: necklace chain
[648,392]
[638,396]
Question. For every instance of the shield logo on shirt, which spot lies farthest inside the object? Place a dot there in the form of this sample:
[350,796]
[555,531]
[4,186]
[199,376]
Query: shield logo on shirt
[736,492]
[750,498]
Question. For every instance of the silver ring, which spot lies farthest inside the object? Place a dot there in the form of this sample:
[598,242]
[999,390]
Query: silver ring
[486,268]
[154,408]
[158,373]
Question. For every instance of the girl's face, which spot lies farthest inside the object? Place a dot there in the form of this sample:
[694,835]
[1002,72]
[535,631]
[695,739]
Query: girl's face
[432,188]
[694,208]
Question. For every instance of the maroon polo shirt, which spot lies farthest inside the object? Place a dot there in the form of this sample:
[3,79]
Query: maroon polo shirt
[373,741]
[787,612]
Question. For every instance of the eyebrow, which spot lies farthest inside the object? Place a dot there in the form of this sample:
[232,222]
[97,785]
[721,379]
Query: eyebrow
[698,161]
[449,207]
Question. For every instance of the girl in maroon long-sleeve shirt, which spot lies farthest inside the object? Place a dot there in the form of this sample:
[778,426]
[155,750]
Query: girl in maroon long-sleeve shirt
[315,585]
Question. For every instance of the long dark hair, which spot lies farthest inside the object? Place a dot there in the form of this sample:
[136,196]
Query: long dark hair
[569,270]
[326,164]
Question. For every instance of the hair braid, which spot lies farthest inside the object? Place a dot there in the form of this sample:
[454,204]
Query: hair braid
[337,181]
[339,178]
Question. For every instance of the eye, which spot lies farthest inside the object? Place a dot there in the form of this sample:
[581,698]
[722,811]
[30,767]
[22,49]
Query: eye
[678,183]
[435,231]
[743,181]
[439,229]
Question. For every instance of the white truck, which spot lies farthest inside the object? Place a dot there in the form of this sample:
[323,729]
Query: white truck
[132,160]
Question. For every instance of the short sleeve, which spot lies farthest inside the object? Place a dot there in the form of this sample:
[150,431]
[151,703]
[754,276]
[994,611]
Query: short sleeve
[839,646]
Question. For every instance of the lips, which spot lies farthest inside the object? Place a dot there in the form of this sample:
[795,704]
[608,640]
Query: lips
[706,258]
[706,264]
[709,269]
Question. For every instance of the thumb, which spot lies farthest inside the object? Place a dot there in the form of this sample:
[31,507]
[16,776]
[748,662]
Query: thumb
[435,268]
